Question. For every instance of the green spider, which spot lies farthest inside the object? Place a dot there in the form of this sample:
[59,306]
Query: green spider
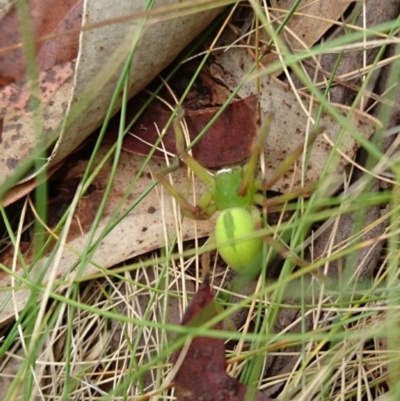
[236,193]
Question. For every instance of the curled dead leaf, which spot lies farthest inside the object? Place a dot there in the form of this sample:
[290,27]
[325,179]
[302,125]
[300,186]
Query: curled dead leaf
[202,373]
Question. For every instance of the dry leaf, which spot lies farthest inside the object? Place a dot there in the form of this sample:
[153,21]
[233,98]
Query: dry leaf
[79,107]
[142,230]
[229,141]
[311,20]
[47,17]
[202,373]
[290,119]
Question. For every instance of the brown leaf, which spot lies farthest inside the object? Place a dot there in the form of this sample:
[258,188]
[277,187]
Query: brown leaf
[205,92]
[62,48]
[228,141]
[310,21]
[287,130]
[48,16]
[145,223]
[18,135]
[202,375]
[370,15]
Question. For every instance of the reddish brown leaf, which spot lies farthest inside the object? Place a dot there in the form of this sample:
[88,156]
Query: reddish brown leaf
[202,375]
[204,93]
[48,16]
[62,48]
[228,141]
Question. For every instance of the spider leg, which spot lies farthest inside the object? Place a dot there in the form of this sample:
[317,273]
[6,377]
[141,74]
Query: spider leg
[193,164]
[277,200]
[284,166]
[205,257]
[251,166]
[286,253]
[322,189]
[204,209]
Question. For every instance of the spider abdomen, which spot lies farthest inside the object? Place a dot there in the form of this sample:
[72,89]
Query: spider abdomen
[234,235]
